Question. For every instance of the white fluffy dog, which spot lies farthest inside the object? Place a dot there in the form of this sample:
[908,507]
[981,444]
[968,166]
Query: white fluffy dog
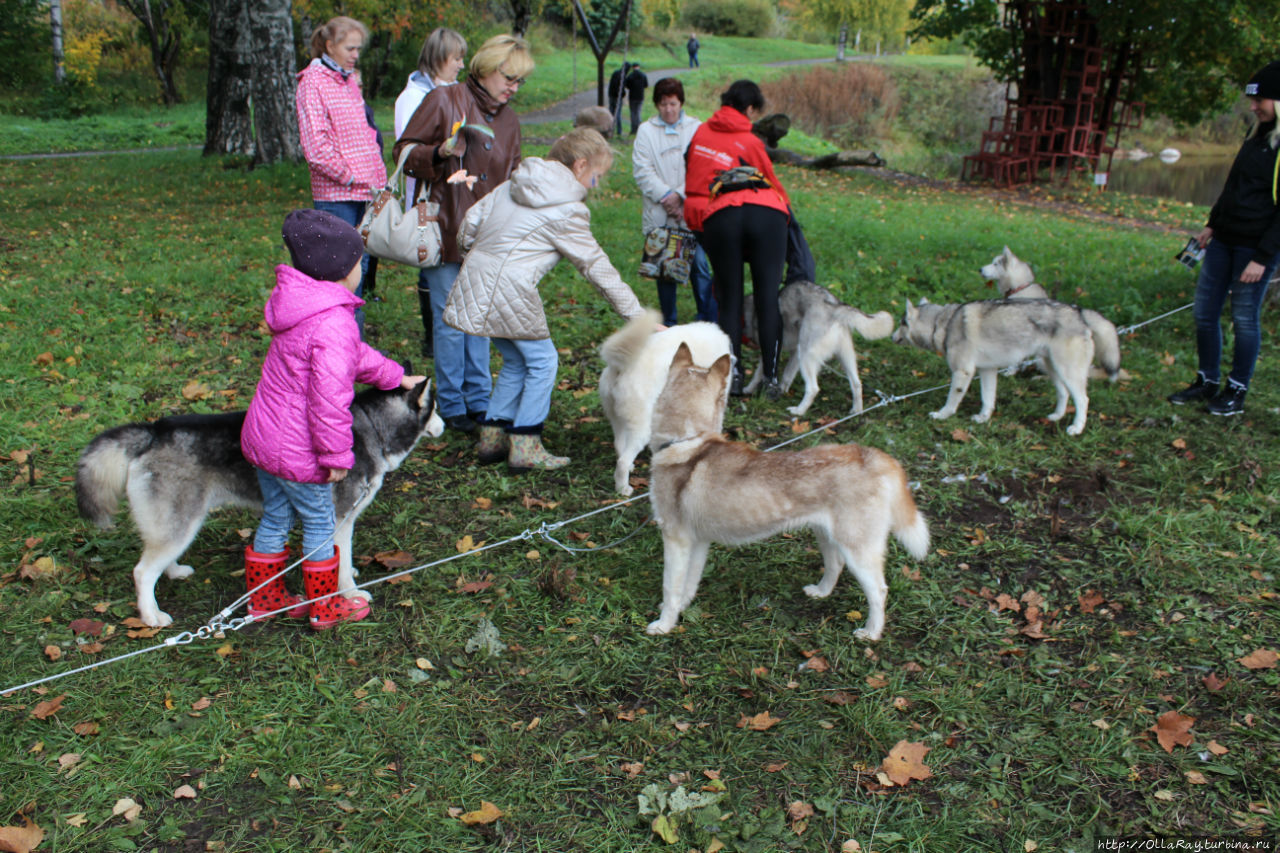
[637,360]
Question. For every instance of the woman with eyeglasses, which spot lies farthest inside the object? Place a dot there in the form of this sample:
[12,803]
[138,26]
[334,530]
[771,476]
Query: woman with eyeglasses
[469,132]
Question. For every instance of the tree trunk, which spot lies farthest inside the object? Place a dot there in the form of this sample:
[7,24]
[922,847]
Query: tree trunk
[251,108]
[59,60]
[275,113]
[228,120]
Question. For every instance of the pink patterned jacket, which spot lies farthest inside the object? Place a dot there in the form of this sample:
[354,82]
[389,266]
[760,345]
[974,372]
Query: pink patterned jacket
[340,146]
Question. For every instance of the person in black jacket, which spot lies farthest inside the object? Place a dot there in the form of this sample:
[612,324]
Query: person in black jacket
[637,81]
[1242,244]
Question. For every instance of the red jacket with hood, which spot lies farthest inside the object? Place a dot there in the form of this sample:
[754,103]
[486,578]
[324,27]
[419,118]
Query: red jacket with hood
[723,141]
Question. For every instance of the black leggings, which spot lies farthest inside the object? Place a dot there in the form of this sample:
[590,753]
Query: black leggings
[758,236]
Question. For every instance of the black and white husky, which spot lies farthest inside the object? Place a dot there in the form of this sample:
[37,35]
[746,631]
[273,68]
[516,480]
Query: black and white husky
[177,469]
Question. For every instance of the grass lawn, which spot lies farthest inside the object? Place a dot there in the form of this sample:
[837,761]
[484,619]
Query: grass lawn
[1079,588]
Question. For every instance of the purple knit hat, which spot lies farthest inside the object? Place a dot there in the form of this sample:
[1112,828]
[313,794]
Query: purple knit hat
[321,245]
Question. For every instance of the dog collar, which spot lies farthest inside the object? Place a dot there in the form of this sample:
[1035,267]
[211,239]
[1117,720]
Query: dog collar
[1018,289]
[674,441]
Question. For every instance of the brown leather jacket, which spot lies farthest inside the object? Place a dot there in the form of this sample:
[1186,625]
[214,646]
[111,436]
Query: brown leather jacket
[490,160]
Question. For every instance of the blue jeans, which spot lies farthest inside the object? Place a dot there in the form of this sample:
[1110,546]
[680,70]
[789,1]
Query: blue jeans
[1219,277]
[703,297]
[463,381]
[522,394]
[283,502]
[350,212]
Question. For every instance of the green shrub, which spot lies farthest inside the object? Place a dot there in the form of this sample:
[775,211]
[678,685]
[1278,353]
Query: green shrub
[754,18]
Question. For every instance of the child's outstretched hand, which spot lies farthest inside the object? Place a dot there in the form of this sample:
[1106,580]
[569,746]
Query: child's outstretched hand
[410,381]
[336,474]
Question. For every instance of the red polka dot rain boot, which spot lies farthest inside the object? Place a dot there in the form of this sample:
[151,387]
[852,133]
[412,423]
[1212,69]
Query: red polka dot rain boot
[273,597]
[321,579]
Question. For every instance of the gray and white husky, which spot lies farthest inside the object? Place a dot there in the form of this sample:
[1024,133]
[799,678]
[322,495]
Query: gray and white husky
[177,469]
[1013,277]
[708,489]
[984,337]
[815,329]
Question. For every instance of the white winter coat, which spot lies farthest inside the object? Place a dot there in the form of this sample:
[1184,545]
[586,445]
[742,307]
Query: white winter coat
[657,160]
[415,89]
[513,237]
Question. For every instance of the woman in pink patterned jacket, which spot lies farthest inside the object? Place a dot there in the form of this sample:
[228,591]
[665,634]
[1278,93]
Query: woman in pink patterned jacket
[340,145]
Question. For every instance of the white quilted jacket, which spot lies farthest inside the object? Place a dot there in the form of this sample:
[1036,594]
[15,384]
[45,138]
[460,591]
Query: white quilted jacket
[511,238]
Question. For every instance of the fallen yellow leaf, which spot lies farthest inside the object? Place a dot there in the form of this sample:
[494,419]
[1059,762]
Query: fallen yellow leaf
[487,813]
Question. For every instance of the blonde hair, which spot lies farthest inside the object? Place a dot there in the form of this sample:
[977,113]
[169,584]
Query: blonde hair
[582,143]
[335,30]
[509,54]
[442,44]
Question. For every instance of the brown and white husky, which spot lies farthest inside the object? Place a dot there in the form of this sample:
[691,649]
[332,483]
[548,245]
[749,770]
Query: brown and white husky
[707,489]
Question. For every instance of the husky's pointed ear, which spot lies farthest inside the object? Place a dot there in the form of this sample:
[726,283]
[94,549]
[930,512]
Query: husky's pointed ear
[424,394]
[683,357]
[722,366]
[1007,253]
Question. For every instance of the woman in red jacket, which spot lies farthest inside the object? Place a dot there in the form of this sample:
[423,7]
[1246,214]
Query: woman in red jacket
[737,205]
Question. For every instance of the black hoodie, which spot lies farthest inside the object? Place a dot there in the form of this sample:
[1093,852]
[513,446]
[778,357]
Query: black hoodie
[1247,213]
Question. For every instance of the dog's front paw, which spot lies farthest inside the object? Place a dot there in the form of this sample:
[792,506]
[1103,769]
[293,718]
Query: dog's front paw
[797,410]
[981,418]
[813,590]
[625,490]
[1054,417]
[1075,430]
[659,626]
[357,593]
[155,619]
[864,634]
[177,571]
[940,415]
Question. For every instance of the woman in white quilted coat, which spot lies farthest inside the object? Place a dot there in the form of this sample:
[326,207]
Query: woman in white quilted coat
[511,239]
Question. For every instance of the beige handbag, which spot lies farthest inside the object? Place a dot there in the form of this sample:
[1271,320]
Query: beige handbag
[391,233]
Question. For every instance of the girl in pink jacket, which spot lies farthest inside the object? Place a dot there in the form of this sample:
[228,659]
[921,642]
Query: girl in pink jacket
[297,432]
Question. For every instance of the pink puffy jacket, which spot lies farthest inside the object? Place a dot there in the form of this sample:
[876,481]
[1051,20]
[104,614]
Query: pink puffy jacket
[299,423]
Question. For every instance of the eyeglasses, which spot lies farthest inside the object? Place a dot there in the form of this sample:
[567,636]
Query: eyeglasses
[518,81]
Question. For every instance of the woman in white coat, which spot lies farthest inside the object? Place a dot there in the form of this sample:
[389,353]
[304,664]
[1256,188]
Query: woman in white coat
[657,161]
[512,238]
[444,54]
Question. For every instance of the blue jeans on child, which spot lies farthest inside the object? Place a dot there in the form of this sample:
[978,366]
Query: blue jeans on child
[283,502]
[522,394]
[1219,277]
[350,212]
[463,381]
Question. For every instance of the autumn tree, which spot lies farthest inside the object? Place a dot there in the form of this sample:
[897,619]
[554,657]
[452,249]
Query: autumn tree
[162,21]
[1189,57]
[883,21]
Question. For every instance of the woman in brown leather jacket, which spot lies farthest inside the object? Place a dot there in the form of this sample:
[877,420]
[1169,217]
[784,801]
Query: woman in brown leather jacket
[469,128]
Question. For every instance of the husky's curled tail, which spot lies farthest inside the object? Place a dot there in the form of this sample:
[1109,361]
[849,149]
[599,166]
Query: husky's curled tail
[619,350]
[102,474]
[1106,343]
[873,327]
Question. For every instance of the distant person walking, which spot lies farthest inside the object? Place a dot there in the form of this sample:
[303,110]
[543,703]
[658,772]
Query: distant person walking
[340,146]
[637,82]
[692,46]
[443,55]
[1242,247]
